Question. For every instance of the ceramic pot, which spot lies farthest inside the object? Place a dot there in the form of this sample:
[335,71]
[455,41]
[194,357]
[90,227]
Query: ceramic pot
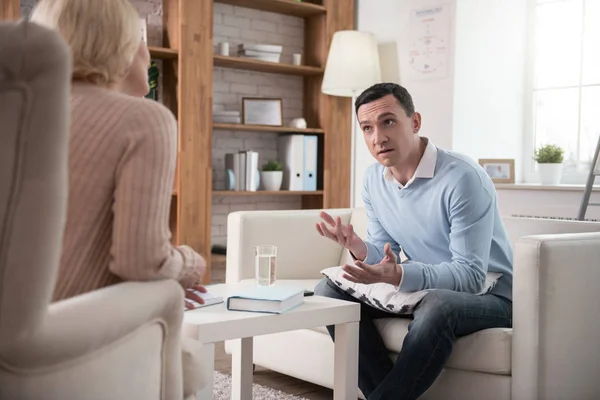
[271,180]
[550,173]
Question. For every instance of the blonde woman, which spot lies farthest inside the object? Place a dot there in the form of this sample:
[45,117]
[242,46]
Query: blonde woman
[122,156]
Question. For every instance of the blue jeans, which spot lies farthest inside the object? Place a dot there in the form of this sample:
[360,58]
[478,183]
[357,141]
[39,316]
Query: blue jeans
[439,319]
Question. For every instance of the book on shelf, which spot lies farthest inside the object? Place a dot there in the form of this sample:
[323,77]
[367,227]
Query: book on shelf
[241,171]
[263,48]
[266,299]
[262,52]
[227,117]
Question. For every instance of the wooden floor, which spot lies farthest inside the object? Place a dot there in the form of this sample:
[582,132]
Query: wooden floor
[263,376]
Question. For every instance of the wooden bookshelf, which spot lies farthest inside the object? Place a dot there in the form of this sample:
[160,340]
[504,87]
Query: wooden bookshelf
[267,193]
[266,66]
[288,7]
[10,10]
[265,128]
[329,117]
[163,53]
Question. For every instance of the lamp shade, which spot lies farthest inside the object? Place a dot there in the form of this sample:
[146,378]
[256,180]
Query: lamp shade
[352,64]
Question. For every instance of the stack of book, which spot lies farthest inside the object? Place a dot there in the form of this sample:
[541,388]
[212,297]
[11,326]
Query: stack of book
[262,52]
[226,117]
[241,171]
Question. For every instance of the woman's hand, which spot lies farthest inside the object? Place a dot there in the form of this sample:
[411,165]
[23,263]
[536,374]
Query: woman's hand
[191,295]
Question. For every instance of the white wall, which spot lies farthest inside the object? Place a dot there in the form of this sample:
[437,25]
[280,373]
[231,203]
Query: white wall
[489,78]
[388,20]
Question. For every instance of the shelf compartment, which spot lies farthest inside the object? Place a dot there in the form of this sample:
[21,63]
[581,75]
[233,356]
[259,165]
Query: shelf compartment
[265,66]
[287,7]
[163,53]
[266,128]
[267,193]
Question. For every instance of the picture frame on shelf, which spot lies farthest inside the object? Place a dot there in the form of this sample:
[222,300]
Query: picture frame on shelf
[500,170]
[262,111]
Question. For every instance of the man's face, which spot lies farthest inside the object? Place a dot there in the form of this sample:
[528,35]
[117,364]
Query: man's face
[389,133]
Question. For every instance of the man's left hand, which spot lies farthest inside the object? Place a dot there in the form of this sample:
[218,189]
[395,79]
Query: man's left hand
[386,271]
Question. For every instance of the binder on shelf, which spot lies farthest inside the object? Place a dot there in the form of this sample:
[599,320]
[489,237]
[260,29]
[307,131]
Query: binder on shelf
[291,152]
[310,162]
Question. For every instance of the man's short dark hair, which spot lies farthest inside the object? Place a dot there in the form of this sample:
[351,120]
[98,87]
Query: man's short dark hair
[380,90]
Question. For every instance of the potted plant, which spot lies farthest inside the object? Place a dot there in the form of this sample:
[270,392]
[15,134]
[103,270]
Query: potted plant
[549,158]
[271,175]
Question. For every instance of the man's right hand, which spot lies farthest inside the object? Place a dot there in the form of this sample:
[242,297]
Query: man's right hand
[342,234]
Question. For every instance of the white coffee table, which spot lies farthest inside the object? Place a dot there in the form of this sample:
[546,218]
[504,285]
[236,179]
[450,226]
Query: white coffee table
[215,323]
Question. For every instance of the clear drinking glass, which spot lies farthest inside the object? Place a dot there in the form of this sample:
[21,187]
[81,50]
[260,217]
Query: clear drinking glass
[265,262]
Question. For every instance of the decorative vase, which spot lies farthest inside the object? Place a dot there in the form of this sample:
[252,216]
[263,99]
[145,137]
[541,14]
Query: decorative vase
[299,123]
[271,180]
[550,173]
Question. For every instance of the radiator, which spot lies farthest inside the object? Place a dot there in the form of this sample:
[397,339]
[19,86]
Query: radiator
[559,218]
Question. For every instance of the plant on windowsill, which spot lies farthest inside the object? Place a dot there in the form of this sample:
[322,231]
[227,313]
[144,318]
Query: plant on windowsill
[271,176]
[550,163]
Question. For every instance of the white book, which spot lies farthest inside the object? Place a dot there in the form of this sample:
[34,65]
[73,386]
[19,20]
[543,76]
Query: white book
[254,53]
[208,297]
[269,48]
[227,113]
[251,170]
[226,119]
[274,58]
[240,171]
[266,299]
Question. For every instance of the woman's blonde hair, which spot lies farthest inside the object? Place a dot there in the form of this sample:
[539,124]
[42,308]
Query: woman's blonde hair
[104,35]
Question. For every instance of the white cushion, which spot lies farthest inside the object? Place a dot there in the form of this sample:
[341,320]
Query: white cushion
[487,351]
[384,296]
[484,351]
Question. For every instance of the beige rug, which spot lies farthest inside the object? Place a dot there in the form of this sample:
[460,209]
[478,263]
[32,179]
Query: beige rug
[222,390]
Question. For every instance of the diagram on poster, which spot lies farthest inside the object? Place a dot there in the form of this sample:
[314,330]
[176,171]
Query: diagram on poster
[428,42]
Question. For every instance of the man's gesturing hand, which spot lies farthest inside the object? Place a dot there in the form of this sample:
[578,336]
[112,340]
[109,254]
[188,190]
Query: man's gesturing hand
[342,234]
[387,271]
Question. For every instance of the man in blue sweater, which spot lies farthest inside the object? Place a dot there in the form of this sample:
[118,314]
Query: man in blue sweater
[440,208]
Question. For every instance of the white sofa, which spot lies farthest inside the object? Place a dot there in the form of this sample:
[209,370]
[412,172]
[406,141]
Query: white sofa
[552,352]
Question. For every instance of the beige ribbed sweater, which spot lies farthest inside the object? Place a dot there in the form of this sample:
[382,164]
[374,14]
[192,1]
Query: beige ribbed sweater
[122,156]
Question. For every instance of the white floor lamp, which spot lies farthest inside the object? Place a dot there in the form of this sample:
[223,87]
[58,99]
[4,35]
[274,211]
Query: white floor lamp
[352,66]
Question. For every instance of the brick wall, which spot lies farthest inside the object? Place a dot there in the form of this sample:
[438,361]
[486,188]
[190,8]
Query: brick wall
[237,25]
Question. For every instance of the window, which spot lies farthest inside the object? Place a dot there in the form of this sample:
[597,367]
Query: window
[565,96]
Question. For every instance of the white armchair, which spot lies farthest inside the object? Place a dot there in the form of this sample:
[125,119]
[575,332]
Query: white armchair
[122,342]
[551,353]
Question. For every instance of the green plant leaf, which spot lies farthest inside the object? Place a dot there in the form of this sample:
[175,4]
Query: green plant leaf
[549,154]
[272,165]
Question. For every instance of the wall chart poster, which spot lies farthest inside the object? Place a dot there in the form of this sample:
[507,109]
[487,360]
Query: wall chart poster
[429,42]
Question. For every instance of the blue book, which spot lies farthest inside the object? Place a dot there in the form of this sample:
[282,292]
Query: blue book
[266,299]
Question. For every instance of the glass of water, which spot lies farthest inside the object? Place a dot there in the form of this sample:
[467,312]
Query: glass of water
[265,262]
